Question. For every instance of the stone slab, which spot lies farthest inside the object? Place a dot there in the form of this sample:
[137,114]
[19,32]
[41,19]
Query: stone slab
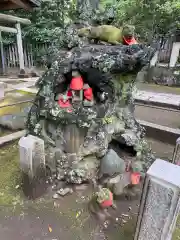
[32,154]
[159,99]
[162,133]
[28,90]
[34,79]
[160,203]
[26,87]
[11,137]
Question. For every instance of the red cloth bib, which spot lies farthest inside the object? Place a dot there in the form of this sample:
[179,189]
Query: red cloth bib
[130,41]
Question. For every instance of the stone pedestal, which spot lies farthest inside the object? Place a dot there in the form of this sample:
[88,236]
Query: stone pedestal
[32,155]
[160,203]
[174,54]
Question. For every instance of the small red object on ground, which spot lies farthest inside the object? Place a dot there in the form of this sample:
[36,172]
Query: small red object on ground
[135,178]
[76,83]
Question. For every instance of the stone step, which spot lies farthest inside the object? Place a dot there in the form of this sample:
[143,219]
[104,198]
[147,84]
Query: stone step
[11,137]
[158,99]
[161,133]
[6,80]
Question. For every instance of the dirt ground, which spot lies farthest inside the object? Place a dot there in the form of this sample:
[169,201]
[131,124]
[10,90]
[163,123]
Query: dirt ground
[67,218]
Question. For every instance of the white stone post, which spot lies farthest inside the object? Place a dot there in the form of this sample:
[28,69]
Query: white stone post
[2,90]
[174,54]
[32,155]
[160,203]
[154,60]
[20,46]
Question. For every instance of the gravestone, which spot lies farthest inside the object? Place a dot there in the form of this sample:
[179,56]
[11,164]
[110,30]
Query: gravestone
[2,92]
[32,155]
[160,203]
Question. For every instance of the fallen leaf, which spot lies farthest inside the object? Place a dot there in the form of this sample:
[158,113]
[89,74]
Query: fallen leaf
[78,214]
[50,229]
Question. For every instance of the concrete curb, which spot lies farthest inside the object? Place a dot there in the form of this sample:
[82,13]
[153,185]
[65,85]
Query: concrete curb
[11,137]
[162,133]
[158,99]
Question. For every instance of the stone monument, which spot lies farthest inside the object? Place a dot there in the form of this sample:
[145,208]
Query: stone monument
[160,203]
[2,90]
[84,102]
[32,155]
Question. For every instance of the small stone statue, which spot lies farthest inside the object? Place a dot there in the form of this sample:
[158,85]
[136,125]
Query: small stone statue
[76,87]
[100,202]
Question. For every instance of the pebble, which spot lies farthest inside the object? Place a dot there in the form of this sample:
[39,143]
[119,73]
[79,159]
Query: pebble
[54,187]
[106,224]
[56,196]
[130,208]
[125,215]
[56,205]
[124,221]
[65,191]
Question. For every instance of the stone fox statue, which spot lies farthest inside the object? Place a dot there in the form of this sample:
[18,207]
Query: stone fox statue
[110,34]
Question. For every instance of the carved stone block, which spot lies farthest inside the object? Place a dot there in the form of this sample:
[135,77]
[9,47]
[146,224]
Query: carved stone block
[32,154]
[160,202]
[2,92]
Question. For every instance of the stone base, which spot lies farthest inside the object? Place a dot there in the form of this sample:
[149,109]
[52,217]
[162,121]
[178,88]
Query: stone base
[23,74]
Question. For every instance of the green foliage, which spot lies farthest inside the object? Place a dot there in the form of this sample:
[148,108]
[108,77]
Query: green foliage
[47,20]
[151,18]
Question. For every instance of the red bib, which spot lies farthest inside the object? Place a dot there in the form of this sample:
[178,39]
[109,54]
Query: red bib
[130,41]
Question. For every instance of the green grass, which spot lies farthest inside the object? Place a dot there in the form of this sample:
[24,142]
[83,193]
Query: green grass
[10,175]
[176,234]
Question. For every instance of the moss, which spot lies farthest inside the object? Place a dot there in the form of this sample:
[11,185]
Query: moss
[10,175]
[176,234]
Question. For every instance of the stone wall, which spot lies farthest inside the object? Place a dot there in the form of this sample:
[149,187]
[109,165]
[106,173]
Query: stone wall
[161,75]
